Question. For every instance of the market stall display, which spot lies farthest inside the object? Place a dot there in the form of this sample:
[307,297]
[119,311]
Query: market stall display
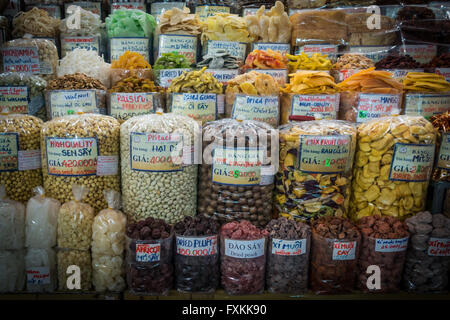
[36,22]
[169,66]
[130,64]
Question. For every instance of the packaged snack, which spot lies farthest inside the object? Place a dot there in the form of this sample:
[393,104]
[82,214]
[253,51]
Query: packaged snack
[149,257]
[12,223]
[166,189]
[385,34]
[20,165]
[288,256]
[383,244]
[441,171]
[384,182]
[314,175]
[12,271]
[427,259]
[66,258]
[41,220]
[93,144]
[242,270]
[247,193]
[349,64]
[130,64]
[40,269]
[197,255]
[334,255]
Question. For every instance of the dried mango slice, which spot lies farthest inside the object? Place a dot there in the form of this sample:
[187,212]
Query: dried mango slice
[248,88]
[371,81]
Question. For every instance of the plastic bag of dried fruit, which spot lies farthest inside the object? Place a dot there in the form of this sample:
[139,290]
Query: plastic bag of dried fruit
[441,171]
[237,173]
[369,94]
[20,164]
[393,164]
[75,220]
[12,222]
[108,244]
[130,64]
[334,255]
[314,175]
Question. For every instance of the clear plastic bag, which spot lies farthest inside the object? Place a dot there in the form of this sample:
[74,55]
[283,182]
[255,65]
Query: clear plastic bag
[108,244]
[12,271]
[427,260]
[41,220]
[41,272]
[46,61]
[383,180]
[81,259]
[20,168]
[441,170]
[314,180]
[288,258]
[33,94]
[120,74]
[75,220]
[12,223]
[360,35]
[93,141]
[171,182]
[149,266]
[246,196]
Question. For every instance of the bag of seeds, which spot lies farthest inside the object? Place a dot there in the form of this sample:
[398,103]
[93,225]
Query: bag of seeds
[196,255]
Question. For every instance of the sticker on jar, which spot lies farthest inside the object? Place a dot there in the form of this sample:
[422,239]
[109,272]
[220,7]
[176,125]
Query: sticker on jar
[324,154]
[223,75]
[279,75]
[445,72]
[53,10]
[127,5]
[161,152]
[426,105]
[148,252]
[330,49]
[185,45]
[119,45]
[373,106]
[288,247]
[401,73]
[15,98]
[201,107]
[439,247]
[71,156]
[208,11]
[375,53]
[236,167]
[344,74]
[244,249]
[64,102]
[167,75]
[21,59]
[38,276]
[29,160]
[125,105]
[443,158]
[411,162]
[234,48]
[344,250]
[107,165]
[319,106]
[259,108]
[391,245]
[196,247]
[89,43]
[274,46]
[422,53]
[94,7]
[9,147]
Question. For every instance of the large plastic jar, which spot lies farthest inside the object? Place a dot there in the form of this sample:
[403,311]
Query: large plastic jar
[237,171]
[158,170]
[314,175]
[81,149]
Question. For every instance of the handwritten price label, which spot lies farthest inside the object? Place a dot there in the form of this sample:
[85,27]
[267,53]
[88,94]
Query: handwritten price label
[197,247]
[183,44]
[288,247]
[439,247]
[148,252]
[391,245]
[412,162]
[344,250]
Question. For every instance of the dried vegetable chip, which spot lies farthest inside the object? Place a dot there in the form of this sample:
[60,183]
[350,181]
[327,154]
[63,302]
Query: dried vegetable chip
[309,82]
[305,190]
[130,61]
[253,83]
[371,81]
[265,59]
[271,26]
[384,180]
[179,21]
[226,27]
[302,62]
[425,82]
[195,82]
[220,59]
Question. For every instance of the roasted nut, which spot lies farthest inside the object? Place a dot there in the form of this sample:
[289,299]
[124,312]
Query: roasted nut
[20,175]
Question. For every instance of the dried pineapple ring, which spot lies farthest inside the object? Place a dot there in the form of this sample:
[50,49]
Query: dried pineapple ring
[265,84]
[248,88]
